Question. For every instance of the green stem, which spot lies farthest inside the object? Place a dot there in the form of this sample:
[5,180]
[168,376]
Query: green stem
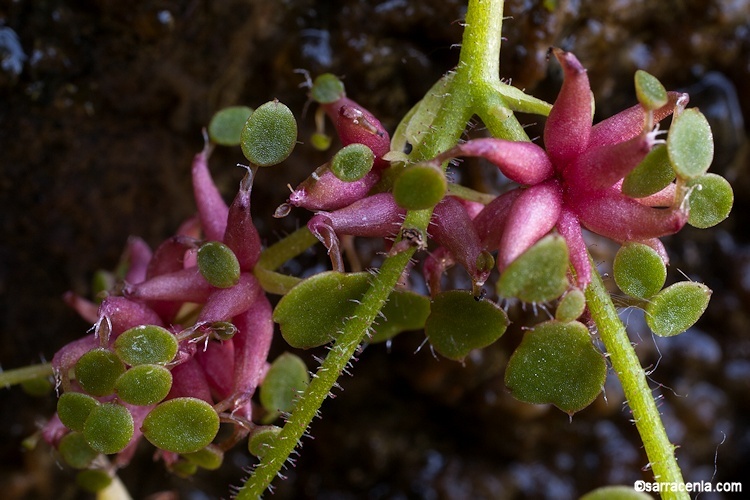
[19,375]
[628,368]
[479,63]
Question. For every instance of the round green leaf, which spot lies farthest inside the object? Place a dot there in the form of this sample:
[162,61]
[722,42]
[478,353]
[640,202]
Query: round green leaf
[144,385]
[93,480]
[710,201]
[420,186]
[218,264]
[571,306]
[74,408]
[109,428]
[146,344]
[458,323]
[183,468]
[690,144]
[653,174]
[404,311]
[557,363]
[352,162]
[226,125]
[261,439]
[650,92]
[75,450]
[539,274]
[37,387]
[181,425]
[269,135]
[320,141]
[639,271]
[616,493]
[327,88]
[313,312]
[97,371]
[677,308]
[286,379]
[209,458]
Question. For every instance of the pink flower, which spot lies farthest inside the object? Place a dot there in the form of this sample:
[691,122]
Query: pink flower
[576,182]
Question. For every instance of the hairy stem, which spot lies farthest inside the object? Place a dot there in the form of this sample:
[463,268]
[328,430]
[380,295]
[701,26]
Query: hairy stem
[19,375]
[628,368]
[479,60]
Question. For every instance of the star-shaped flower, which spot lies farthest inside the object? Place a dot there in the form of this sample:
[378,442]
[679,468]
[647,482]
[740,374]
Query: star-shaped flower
[576,183]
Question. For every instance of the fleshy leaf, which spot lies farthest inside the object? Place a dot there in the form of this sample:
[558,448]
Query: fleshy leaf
[327,88]
[557,363]
[352,162]
[616,493]
[710,201]
[650,92]
[93,480]
[677,308]
[109,428]
[652,175]
[261,439]
[209,458]
[75,450]
[218,264]
[144,385]
[419,187]
[97,371]
[690,144]
[73,408]
[639,270]
[312,312]
[539,274]
[284,381]
[146,344]
[571,306]
[181,425]
[226,125]
[459,322]
[269,135]
[404,311]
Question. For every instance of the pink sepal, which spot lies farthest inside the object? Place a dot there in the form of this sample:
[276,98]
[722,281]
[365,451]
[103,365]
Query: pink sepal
[212,209]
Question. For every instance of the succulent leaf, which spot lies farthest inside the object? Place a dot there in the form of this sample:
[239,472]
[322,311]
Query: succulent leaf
[571,306]
[226,125]
[269,135]
[404,311]
[459,322]
[649,90]
[352,162]
[539,274]
[690,144]
[73,408]
[181,425]
[420,186]
[109,428]
[75,450]
[286,378]
[144,385]
[557,363]
[146,344]
[710,201]
[639,270]
[677,308]
[651,175]
[97,371]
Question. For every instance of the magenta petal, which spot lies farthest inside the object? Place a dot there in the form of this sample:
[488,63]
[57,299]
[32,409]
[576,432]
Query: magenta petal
[189,380]
[218,365]
[568,126]
[570,229]
[611,214]
[86,309]
[374,216]
[170,255]
[522,162]
[354,124]
[664,198]
[252,345]
[125,314]
[212,210]
[630,122]
[602,167]
[138,256]
[241,235]
[490,222]
[534,214]
[452,228]
[225,303]
[327,192]
[185,285]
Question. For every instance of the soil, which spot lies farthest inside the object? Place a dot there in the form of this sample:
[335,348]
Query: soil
[101,109]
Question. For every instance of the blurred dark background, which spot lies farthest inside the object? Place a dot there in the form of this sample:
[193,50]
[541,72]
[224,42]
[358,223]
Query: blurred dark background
[101,108]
